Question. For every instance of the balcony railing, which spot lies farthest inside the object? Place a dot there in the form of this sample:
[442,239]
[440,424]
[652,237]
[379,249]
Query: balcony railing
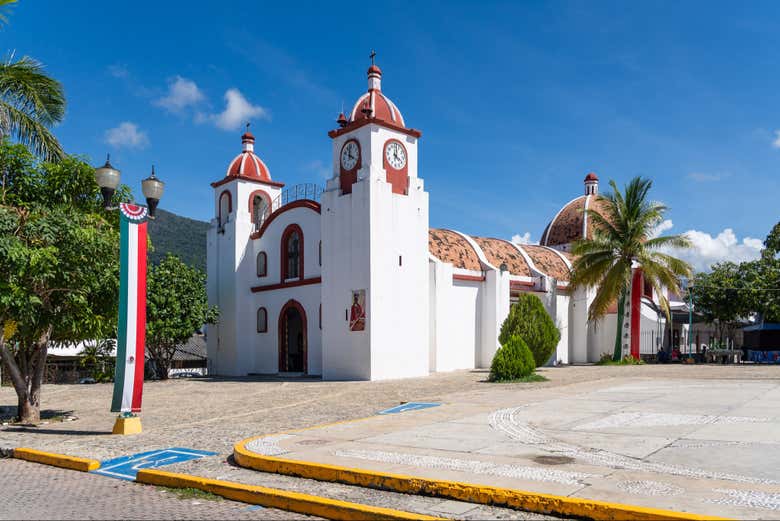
[308,191]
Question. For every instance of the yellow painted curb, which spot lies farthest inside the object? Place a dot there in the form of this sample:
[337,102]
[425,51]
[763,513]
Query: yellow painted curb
[472,493]
[57,460]
[274,498]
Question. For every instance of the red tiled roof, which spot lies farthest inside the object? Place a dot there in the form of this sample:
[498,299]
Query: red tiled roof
[500,252]
[448,246]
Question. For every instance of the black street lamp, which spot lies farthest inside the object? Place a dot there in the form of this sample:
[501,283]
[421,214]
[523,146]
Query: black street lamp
[107,178]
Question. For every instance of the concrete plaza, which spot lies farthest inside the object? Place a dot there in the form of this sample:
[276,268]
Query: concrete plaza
[698,438]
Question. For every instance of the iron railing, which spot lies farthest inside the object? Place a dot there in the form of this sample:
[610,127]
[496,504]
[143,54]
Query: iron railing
[304,191]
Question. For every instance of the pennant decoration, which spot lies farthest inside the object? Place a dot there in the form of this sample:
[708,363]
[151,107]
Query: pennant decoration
[131,333]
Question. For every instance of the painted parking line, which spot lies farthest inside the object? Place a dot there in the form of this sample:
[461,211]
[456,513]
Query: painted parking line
[126,467]
[410,406]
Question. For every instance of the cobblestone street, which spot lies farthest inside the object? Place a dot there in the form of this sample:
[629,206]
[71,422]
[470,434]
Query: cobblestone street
[33,491]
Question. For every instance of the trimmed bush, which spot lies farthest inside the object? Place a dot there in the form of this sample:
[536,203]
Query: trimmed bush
[530,321]
[513,360]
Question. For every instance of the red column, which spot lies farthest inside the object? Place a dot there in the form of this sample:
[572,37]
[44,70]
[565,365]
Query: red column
[636,313]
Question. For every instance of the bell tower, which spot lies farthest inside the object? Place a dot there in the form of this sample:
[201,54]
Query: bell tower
[375,245]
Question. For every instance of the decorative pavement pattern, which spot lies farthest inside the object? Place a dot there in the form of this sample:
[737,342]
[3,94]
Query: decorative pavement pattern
[748,498]
[472,466]
[268,445]
[507,421]
[644,419]
[650,488]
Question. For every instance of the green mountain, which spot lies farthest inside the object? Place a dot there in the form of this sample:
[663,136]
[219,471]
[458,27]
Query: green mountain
[182,236]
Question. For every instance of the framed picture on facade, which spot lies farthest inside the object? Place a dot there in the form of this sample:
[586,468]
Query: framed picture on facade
[357,314]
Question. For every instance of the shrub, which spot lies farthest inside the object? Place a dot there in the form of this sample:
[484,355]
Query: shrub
[530,321]
[513,360]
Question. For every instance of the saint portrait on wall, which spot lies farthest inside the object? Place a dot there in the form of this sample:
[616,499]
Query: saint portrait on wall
[357,314]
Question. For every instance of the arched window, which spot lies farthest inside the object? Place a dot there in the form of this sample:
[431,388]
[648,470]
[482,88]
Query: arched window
[259,207]
[292,253]
[262,264]
[262,320]
[225,207]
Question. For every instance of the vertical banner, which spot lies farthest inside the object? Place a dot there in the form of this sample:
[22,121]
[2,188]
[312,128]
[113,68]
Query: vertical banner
[131,331]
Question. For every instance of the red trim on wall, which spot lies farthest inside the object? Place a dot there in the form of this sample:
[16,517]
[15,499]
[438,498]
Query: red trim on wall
[246,178]
[265,195]
[349,177]
[514,284]
[293,303]
[398,179]
[291,228]
[472,278]
[291,284]
[636,315]
[367,121]
[302,203]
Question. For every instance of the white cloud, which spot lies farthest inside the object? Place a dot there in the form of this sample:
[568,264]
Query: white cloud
[238,110]
[776,142]
[182,93]
[118,70]
[522,239]
[664,225]
[703,177]
[707,250]
[319,168]
[128,135]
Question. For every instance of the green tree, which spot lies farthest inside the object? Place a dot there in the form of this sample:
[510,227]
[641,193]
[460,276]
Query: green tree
[624,235]
[177,307]
[513,360]
[530,321]
[58,265]
[719,296]
[58,283]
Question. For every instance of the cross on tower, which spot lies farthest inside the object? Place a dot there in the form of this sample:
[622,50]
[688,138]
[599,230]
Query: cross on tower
[247,126]
[372,55]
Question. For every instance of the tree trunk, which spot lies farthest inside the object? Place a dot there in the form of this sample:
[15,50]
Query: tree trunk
[621,311]
[28,408]
[27,376]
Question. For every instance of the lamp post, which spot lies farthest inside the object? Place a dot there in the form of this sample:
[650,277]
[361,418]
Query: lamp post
[131,326]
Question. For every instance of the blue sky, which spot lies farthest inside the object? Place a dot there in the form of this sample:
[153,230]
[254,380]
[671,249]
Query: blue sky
[516,101]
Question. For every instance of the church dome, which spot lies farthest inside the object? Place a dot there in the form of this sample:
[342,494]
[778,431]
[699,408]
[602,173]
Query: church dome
[571,223]
[374,104]
[247,164]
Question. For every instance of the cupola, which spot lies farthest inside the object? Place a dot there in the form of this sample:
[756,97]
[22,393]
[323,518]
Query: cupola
[247,164]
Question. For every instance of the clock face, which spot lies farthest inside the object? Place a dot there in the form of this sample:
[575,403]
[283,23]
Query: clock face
[350,154]
[395,153]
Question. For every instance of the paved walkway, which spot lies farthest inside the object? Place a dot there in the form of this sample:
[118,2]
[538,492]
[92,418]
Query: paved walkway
[703,446]
[33,491]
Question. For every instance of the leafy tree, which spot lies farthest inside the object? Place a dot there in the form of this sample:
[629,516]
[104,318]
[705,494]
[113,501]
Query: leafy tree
[177,306]
[719,296]
[98,356]
[529,320]
[624,235]
[58,283]
[762,278]
[513,360]
[59,265]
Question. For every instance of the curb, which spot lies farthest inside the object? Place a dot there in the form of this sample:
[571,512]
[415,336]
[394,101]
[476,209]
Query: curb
[57,460]
[274,498]
[468,492]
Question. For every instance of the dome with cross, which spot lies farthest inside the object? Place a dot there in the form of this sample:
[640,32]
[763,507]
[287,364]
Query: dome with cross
[247,164]
[374,103]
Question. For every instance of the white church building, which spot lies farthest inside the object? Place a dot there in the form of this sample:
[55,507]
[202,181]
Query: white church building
[350,282]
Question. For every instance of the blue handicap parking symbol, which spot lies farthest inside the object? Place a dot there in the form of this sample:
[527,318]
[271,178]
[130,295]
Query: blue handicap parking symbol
[126,467]
[410,406]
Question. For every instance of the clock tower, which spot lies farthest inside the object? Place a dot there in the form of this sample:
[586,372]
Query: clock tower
[374,245]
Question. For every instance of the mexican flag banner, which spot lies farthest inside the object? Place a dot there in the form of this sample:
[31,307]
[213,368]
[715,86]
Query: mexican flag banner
[131,333]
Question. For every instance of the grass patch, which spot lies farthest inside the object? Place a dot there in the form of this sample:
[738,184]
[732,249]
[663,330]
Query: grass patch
[192,493]
[523,379]
[606,359]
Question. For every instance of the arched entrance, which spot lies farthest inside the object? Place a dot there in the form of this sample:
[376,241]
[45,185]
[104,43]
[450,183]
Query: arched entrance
[293,345]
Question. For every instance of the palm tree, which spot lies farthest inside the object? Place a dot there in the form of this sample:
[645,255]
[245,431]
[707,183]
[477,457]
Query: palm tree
[30,101]
[624,238]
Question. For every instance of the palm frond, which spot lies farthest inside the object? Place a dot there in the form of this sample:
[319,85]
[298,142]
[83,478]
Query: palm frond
[5,9]
[30,132]
[612,285]
[24,85]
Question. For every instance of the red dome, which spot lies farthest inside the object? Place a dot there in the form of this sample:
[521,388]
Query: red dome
[374,103]
[591,177]
[247,163]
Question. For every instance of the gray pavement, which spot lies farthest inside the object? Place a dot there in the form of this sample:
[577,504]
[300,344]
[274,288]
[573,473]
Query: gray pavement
[33,491]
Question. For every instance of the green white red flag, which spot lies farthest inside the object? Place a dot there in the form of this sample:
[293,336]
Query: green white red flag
[131,333]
